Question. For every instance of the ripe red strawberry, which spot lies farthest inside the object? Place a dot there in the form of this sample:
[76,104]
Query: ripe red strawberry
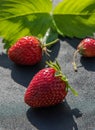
[48,87]
[27,50]
[86,48]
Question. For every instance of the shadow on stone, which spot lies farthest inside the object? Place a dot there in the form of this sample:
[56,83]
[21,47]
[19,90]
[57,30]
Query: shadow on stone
[88,63]
[71,41]
[59,117]
[24,74]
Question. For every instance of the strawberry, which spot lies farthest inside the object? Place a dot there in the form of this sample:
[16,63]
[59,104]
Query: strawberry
[86,48]
[48,87]
[27,50]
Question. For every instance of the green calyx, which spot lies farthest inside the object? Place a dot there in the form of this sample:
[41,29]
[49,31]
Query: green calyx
[81,50]
[58,73]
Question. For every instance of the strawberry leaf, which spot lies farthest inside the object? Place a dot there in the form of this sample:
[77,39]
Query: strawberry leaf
[36,17]
[21,18]
[75,18]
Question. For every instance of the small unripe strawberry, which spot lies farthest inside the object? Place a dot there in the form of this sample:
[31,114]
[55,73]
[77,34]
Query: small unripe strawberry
[48,87]
[86,48]
[27,50]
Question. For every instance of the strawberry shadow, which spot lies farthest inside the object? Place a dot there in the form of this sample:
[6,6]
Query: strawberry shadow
[88,63]
[20,74]
[4,61]
[71,41]
[24,74]
[57,117]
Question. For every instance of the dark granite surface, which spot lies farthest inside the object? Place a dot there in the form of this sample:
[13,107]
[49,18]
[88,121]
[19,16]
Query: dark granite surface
[75,113]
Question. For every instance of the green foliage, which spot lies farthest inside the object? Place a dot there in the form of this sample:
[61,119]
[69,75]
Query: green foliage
[25,17]
[75,18]
[35,17]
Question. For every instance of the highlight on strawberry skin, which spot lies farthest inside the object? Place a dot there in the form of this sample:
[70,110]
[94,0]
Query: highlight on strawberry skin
[86,48]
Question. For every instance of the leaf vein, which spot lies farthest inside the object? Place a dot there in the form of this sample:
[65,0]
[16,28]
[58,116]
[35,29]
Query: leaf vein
[15,16]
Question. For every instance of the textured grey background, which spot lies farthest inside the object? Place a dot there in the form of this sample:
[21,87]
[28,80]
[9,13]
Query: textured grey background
[76,113]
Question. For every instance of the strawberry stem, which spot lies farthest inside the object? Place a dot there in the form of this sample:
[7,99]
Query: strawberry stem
[74,63]
[58,73]
[50,43]
[44,47]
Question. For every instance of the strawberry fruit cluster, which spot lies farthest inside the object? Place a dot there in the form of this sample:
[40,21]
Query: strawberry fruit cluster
[49,86]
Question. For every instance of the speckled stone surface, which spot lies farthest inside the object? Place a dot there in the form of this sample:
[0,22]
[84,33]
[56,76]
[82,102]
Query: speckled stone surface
[75,113]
